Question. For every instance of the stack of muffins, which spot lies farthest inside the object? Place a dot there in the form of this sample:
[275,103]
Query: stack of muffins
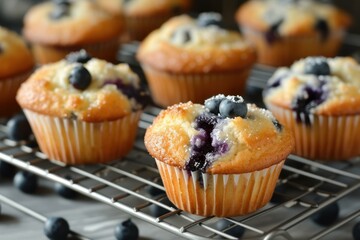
[216,154]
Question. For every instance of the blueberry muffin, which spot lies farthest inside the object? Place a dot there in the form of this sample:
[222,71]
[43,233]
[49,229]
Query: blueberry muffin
[83,110]
[13,51]
[319,100]
[55,28]
[194,59]
[222,158]
[287,30]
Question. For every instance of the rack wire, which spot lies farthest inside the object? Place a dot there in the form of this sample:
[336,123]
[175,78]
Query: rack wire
[304,188]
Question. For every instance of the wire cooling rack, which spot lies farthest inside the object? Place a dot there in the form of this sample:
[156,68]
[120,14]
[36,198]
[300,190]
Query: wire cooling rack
[304,188]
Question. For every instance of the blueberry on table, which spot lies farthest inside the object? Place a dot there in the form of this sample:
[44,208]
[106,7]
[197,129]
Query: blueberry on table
[64,191]
[56,228]
[26,181]
[7,170]
[231,108]
[80,77]
[78,57]
[126,230]
[18,128]
[327,216]
[356,231]
[317,66]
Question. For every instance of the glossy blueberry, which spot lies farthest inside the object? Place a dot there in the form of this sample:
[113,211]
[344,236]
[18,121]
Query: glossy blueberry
[18,128]
[327,215]
[80,77]
[233,108]
[272,35]
[235,231]
[213,104]
[26,181]
[7,170]
[209,19]
[322,26]
[59,12]
[56,228]
[356,231]
[154,191]
[126,230]
[317,66]
[64,191]
[80,57]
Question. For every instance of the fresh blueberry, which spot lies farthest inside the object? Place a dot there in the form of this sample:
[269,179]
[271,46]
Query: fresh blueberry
[272,35]
[317,66]
[80,77]
[327,215]
[154,191]
[59,12]
[213,103]
[356,231]
[64,191]
[322,26]
[277,125]
[78,57]
[18,128]
[157,211]
[231,108]
[209,19]
[235,231]
[7,170]
[56,228]
[126,230]
[26,181]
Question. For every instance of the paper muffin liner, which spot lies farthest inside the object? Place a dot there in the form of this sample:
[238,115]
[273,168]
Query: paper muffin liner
[77,142]
[171,88]
[221,195]
[286,50]
[8,89]
[47,53]
[322,137]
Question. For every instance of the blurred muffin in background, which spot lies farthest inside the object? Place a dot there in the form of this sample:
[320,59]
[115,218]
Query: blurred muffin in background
[287,30]
[16,64]
[56,28]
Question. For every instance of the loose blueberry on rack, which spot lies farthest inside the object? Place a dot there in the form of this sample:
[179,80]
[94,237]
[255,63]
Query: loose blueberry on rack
[213,103]
[327,216]
[18,128]
[209,19]
[56,228]
[78,57]
[233,107]
[317,66]
[64,191]
[356,231]
[126,230]
[157,211]
[80,77]
[7,170]
[235,231]
[26,181]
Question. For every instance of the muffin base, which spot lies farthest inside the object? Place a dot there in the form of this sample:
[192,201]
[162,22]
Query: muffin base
[8,89]
[325,137]
[73,141]
[221,195]
[47,54]
[286,50]
[171,88]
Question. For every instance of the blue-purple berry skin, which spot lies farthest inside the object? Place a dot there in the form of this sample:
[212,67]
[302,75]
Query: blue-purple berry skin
[126,230]
[231,109]
[327,215]
[317,66]
[213,105]
[7,170]
[322,27]
[26,182]
[78,57]
[356,231]
[56,228]
[272,35]
[18,128]
[80,77]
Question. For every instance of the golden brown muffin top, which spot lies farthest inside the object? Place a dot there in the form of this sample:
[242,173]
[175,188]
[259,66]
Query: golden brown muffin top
[324,86]
[224,136]
[187,45]
[292,17]
[92,91]
[13,51]
[71,22]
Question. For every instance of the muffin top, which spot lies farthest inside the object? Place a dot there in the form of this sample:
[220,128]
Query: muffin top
[223,136]
[292,17]
[70,22]
[82,87]
[317,85]
[13,51]
[187,45]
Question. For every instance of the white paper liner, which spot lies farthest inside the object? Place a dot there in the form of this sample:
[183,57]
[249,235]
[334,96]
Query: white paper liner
[221,195]
[168,89]
[325,138]
[76,142]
